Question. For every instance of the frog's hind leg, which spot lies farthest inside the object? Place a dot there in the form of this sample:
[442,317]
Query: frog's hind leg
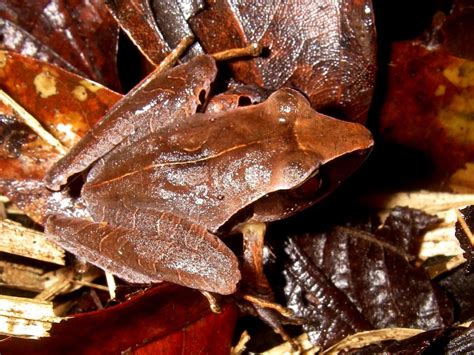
[256,288]
[176,251]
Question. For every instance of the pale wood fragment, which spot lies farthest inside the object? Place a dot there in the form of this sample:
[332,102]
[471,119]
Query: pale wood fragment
[20,276]
[18,240]
[25,317]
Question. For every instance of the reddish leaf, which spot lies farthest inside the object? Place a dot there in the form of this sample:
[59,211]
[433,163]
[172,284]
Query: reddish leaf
[325,49]
[156,26]
[16,39]
[136,19]
[164,320]
[429,100]
[81,32]
[67,105]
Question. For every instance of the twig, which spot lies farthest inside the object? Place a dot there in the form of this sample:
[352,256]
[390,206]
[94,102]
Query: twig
[465,227]
[92,285]
[32,122]
[252,50]
[175,54]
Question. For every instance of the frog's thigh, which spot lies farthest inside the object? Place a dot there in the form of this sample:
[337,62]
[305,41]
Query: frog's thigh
[176,251]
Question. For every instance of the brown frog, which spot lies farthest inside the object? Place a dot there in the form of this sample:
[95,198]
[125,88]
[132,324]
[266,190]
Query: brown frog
[167,182]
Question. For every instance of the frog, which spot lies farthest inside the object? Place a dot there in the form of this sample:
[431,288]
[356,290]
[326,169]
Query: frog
[166,183]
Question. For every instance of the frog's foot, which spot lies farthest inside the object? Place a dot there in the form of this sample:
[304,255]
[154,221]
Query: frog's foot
[271,313]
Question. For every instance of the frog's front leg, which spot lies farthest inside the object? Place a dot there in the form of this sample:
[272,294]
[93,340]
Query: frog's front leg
[255,286]
[161,99]
[176,251]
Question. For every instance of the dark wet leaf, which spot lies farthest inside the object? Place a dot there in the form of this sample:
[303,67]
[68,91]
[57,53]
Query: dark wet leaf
[65,104]
[171,17]
[457,31]
[322,48]
[465,241]
[329,315]
[82,33]
[373,275]
[459,287]
[164,320]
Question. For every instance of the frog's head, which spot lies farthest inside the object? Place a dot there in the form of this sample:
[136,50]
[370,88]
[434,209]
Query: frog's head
[333,150]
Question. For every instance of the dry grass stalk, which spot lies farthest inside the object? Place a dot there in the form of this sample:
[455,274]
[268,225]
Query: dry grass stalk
[64,281]
[24,317]
[359,340]
[285,348]
[112,286]
[430,202]
[32,122]
[18,240]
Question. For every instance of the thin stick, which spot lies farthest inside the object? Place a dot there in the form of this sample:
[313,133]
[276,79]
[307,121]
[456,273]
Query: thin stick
[465,227]
[263,303]
[252,50]
[175,54]
[32,122]
[111,284]
[92,285]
